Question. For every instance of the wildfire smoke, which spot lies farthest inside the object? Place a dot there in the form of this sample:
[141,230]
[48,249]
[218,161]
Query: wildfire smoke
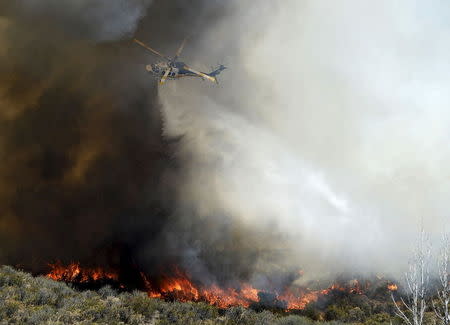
[232,186]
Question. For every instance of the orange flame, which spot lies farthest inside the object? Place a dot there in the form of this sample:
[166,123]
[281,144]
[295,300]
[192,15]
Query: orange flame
[74,273]
[182,289]
[301,300]
[392,287]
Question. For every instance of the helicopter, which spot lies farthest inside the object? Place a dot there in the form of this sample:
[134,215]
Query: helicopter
[171,68]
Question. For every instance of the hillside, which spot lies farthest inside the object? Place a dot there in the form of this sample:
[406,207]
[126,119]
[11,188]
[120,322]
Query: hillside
[25,299]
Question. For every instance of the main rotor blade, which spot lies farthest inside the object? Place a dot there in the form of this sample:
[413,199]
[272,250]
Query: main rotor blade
[201,74]
[163,79]
[180,49]
[150,49]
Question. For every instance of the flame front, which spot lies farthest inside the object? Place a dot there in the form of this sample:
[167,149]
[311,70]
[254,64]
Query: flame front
[180,287]
[299,300]
[74,273]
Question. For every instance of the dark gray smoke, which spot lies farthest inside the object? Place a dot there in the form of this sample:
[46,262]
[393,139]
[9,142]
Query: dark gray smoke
[96,20]
[80,137]
[86,172]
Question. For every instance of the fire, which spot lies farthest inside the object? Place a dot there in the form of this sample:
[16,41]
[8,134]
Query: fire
[75,273]
[300,300]
[181,288]
[178,286]
[392,287]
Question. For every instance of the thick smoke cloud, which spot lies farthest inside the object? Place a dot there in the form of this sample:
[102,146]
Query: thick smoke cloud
[96,20]
[80,147]
[324,143]
[87,173]
[330,128]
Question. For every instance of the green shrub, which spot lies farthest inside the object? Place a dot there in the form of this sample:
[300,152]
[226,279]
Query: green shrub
[311,312]
[355,315]
[8,308]
[334,312]
[382,318]
[107,291]
[294,320]
[9,277]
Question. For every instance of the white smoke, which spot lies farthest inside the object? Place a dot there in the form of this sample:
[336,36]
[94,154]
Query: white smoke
[330,127]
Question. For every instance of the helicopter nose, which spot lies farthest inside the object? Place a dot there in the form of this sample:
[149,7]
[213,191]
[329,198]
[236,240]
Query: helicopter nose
[148,67]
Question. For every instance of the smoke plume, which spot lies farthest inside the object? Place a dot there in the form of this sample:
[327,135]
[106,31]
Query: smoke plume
[321,148]
[329,130]
[87,173]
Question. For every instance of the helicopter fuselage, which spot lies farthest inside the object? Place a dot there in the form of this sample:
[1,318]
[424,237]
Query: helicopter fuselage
[178,71]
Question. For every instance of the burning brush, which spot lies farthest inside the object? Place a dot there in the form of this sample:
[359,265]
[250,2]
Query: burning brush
[179,287]
[77,274]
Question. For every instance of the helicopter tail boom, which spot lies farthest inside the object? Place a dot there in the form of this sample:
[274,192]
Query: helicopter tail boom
[216,72]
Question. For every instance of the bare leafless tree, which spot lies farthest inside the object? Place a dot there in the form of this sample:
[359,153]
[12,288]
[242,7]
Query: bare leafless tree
[412,308]
[441,307]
